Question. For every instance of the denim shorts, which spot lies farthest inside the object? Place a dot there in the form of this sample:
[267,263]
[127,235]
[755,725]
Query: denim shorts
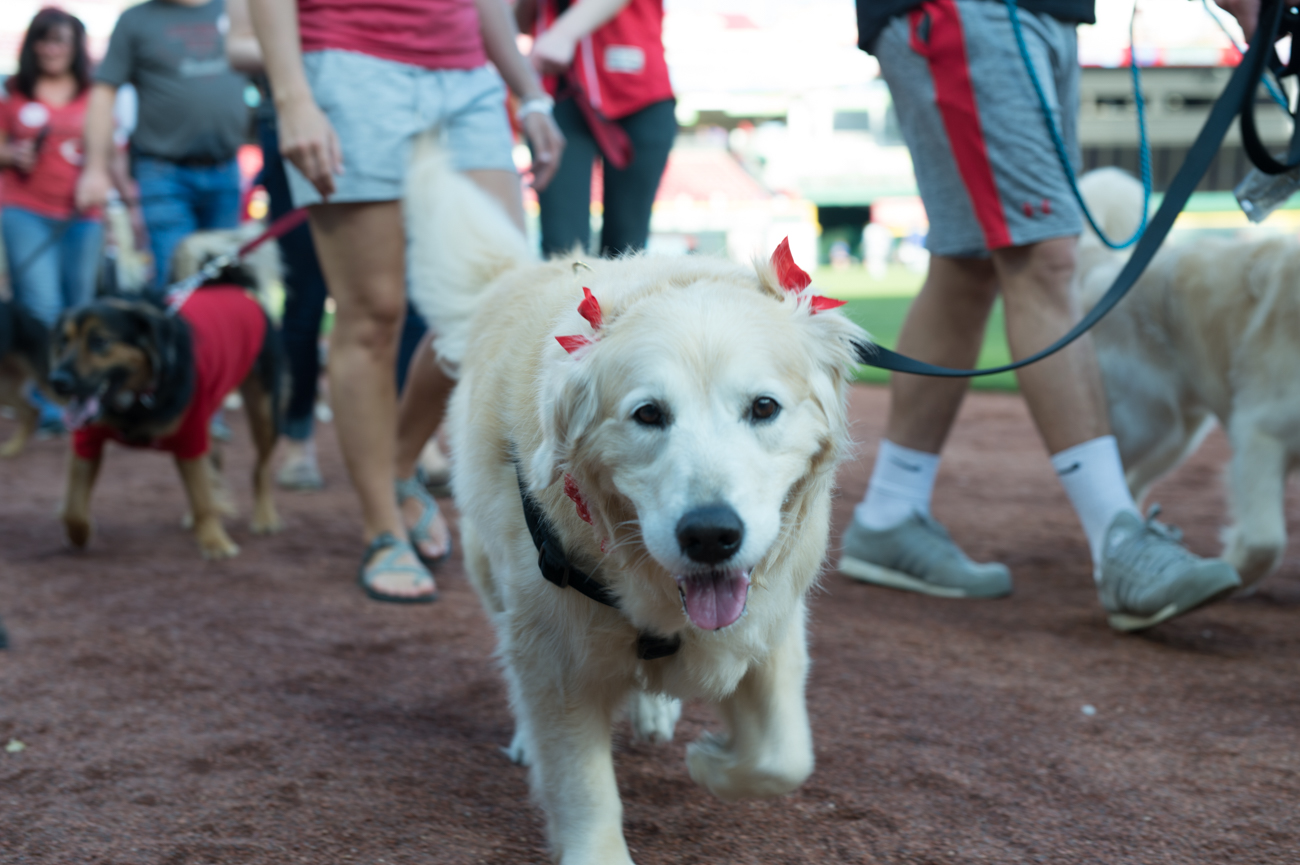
[377,107]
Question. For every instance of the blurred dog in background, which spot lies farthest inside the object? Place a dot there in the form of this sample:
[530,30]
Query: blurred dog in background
[1208,334]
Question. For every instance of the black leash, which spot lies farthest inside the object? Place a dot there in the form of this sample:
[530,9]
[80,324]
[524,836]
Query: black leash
[556,568]
[1238,97]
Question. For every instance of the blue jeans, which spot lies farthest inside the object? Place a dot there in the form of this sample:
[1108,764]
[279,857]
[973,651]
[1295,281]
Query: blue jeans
[51,272]
[178,200]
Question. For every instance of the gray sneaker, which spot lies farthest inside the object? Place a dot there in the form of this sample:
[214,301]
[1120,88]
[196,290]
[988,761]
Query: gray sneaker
[1148,576]
[300,473]
[918,556]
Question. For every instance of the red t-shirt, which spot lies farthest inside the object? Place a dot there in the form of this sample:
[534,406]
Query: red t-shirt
[435,34]
[50,189]
[227,328]
[621,63]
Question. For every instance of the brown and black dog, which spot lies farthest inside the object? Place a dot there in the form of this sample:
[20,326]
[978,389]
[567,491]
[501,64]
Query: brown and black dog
[24,357]
[138,375]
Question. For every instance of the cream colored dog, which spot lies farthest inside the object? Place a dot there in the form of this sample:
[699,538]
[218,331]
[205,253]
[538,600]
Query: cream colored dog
[1210,332]
[682,450]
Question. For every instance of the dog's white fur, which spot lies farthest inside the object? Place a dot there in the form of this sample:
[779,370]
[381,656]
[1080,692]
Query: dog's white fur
[1208,333]
[703,338]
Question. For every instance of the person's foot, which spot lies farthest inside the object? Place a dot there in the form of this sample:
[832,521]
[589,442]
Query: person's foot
[918,556]
[219,429]
[391,572]
[425,525]
[1147,576]
[299,471]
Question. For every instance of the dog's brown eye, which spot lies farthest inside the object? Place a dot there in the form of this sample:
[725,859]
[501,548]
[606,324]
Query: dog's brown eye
[649,415]
[764,408]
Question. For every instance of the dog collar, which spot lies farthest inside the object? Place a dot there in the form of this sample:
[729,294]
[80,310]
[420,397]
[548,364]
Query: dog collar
[556,568]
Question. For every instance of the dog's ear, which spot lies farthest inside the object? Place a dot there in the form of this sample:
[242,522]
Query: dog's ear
[567,411]
[155,335]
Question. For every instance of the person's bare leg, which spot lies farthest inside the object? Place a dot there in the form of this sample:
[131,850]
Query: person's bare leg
[362,250]
[945,325]
[1064,392]
[424,400]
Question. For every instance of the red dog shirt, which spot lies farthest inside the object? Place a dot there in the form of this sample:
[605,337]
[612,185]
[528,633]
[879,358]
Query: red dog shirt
[227,329]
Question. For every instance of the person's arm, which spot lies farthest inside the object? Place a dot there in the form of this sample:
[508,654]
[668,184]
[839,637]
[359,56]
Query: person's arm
[19,154]
[1245,11]
[553,50]
[535,115]
[306,137]
[242,50]
[95,181]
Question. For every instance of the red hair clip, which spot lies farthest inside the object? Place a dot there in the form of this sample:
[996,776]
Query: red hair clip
[794,279]
[590,310]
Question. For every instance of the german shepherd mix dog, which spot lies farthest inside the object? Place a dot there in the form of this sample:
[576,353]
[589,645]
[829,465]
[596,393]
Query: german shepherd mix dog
[134,374]
[1211,332]
[643,454]
[24,357]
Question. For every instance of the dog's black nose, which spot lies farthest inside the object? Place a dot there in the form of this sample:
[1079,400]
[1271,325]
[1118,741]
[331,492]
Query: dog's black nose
[63,382]
[710,534]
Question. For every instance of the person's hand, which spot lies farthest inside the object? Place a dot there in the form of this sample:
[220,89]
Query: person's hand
[553,51]
[92,188]
[21,155]
[308,141]
[547,144]
[1245,11]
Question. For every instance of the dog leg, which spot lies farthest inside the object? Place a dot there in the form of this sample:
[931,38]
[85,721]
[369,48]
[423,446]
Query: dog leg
[652,716]
[214,543]
[261,420]
[568,733]
[76,499]
[1256,492]
[767,749]
[27,418]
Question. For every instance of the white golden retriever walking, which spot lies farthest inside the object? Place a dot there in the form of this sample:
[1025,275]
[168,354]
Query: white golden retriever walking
[675,440]
[1210,332]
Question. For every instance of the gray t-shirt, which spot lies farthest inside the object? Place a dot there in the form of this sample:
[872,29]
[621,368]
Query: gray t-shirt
[191,102]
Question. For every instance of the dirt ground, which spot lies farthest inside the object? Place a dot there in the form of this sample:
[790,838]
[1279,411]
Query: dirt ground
[263,711]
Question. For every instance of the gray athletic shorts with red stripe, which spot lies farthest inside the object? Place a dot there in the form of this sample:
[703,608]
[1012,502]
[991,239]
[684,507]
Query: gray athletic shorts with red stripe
[988,172]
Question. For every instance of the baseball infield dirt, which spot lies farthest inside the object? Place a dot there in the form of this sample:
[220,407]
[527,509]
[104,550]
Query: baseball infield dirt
[160,709]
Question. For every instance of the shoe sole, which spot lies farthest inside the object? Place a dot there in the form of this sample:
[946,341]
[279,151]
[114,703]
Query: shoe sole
[1129,623]
[865,572]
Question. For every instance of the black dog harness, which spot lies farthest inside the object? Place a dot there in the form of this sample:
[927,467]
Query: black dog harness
[556,568]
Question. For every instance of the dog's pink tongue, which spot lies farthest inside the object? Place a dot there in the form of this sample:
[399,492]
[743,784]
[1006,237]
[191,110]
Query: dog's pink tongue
[76,414]
[715,599]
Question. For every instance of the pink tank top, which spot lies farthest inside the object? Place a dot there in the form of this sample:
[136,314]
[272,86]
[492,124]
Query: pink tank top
[434,34]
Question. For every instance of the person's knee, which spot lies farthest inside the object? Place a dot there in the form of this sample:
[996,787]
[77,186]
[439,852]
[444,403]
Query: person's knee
[373,325]
[1044,269]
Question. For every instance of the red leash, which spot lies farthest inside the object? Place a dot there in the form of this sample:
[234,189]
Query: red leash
[180,292]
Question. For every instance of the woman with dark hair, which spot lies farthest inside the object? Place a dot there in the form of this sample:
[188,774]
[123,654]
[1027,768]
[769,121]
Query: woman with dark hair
[53,250]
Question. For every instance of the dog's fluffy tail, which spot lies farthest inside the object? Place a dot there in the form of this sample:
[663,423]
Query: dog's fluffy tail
[461,240]
[1115,199]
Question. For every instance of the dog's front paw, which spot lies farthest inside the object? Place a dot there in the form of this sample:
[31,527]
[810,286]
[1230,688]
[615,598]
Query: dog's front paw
[1253,560]
[214,543]
[78,530]
[266,522]
[653,716]
[715,765]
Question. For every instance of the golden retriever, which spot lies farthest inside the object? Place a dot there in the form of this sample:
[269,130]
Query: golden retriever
[1208,333]
[682,451]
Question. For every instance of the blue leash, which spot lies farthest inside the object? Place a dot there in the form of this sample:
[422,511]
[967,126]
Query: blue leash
[1144,149]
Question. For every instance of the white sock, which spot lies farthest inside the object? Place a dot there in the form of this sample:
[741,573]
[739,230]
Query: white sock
[1093,477]
[901,484]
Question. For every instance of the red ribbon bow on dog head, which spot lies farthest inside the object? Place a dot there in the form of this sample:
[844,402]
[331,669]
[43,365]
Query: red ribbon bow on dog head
[794,279]
[590,310]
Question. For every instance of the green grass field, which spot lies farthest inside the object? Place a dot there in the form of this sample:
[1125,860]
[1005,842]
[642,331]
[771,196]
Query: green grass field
[880,306]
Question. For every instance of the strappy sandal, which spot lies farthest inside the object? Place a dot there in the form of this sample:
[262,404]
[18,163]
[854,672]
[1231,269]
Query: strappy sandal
[411,488]
[382,556]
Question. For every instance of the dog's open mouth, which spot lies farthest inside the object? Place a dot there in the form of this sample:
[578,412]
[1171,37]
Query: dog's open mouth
[714,599]
[81,410]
